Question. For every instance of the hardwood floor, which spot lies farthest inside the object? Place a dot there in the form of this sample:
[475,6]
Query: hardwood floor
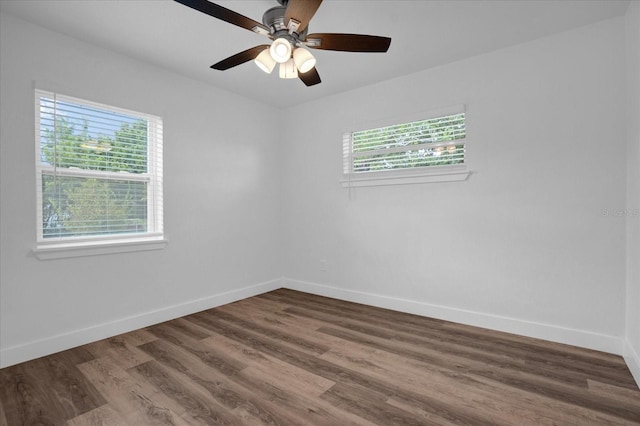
[285,358]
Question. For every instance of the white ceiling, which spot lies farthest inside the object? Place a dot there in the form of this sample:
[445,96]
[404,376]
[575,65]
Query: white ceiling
[424,34]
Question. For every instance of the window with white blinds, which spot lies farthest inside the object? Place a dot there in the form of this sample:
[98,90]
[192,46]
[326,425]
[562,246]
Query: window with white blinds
[99,172]
[414,146]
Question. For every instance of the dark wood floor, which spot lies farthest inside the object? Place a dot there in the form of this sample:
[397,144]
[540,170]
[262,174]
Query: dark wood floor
[286,358]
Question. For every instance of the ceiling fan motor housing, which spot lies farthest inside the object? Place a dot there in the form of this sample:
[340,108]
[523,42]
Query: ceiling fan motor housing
[274,19]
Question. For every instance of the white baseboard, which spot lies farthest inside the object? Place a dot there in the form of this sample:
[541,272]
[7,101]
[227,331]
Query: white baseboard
[581,338]
[601,342]
[50,345]
[632,359]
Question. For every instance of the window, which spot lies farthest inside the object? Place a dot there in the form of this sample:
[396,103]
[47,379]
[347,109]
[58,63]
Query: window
[99,173]
[402,153]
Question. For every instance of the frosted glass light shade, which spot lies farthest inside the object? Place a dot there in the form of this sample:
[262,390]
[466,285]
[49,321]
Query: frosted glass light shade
[280,50]
[265,62]
[288,69]
[303,59]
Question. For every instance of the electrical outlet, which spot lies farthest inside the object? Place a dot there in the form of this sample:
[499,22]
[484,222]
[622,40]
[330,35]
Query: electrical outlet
[323,265]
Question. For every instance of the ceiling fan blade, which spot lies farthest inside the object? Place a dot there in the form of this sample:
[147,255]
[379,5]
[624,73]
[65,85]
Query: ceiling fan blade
[226,15]
[348,42]
[310,77]
[302,11]
[239,58]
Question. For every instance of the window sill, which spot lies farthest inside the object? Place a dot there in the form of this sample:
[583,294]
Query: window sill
[406,177]
[96,248]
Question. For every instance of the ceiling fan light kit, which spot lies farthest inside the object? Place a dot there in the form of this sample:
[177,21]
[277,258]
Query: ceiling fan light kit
[287,26]
[304,59]
[288,69]
[280,50]
[265,61]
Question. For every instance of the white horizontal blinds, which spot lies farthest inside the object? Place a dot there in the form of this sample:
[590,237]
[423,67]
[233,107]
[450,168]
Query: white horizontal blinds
[100,169]
[155,200]
[80,206]
[432,142]
[346,153]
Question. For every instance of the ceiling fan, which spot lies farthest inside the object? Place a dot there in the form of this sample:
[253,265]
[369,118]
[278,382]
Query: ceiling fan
[287,25]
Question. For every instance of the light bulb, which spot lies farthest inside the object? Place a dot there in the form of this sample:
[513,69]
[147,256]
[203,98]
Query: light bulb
[265,62]
[280,50]
[304,60]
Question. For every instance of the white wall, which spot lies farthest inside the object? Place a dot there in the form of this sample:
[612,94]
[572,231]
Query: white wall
[522,246]
[526,244]
[632,353]
[222,200]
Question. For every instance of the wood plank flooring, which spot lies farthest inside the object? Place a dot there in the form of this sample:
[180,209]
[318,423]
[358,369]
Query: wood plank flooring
[288,358]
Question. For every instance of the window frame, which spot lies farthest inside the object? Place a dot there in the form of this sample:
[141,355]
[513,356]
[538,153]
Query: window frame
[73,246]
[413,175]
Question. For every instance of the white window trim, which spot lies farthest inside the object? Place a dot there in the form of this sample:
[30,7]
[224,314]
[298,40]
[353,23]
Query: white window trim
[453,173]
[430,174]
[56,248]
[102,247]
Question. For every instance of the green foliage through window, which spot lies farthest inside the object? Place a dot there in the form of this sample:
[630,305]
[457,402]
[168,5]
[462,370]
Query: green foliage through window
[88,206]
[95,170]
[433,142]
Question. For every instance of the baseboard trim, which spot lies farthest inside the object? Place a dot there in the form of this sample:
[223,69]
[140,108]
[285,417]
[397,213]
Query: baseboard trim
[36,349]
[581,338]
[632,359]
[21,353]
